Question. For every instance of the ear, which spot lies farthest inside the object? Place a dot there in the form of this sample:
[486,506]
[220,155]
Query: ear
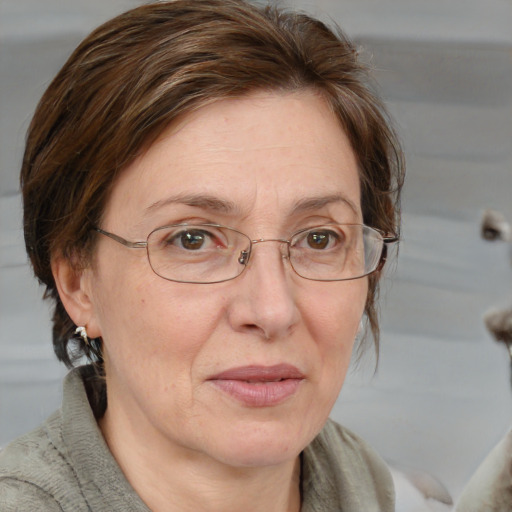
[74,287]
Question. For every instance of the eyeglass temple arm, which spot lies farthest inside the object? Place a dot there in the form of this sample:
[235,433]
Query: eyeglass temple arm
[122,241]
[391,239]
[384,254]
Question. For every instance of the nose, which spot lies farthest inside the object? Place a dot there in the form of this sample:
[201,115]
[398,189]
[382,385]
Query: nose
[265,301]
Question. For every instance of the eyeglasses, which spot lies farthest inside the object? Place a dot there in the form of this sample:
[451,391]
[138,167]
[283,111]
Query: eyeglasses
[211,253]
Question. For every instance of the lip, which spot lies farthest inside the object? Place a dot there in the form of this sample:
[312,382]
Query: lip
[259,386]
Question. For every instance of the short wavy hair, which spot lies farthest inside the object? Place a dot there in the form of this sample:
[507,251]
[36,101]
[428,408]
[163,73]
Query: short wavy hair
[137,73]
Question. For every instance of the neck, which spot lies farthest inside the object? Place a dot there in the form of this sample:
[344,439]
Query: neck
[172,478]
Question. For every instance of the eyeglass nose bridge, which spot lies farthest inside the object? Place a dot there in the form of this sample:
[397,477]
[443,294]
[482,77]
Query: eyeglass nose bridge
[245,255]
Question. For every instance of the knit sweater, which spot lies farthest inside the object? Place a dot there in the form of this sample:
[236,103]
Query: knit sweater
[66,466]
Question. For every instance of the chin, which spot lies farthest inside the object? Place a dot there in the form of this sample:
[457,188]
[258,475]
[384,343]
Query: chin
[258,456]
[258,444]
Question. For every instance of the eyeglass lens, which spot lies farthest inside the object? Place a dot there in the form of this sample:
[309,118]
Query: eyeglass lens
[207,253]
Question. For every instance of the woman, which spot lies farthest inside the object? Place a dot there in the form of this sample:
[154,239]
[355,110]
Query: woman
[195,184]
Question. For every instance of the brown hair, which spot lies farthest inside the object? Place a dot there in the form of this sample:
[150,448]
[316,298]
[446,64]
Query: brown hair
[134,75]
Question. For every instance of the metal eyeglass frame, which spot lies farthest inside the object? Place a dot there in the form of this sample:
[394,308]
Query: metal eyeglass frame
[245,255]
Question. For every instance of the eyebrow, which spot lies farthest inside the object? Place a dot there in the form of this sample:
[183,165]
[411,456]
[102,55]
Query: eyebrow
[205,202]
[316,203]
[208,202]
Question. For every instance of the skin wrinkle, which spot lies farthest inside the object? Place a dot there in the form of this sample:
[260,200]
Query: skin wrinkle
[263,107]
[267,316]
[204,202]
[221,205]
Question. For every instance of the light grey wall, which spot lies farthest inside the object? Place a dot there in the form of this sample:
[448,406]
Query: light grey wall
[35,39]
[441,397]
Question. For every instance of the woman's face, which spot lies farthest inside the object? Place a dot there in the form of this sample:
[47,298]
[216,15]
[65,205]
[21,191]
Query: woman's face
[244,372]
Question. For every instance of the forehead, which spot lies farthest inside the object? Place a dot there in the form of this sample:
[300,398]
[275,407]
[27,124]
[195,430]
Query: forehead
[267,151]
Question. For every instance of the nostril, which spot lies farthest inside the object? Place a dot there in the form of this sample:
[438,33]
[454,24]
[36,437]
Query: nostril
[257,330]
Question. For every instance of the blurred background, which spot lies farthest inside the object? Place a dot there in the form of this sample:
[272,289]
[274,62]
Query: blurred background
[441,397]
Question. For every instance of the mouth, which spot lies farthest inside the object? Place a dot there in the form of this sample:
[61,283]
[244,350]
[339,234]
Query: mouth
[259,386]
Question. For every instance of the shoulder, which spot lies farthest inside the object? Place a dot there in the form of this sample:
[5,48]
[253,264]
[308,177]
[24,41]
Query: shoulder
[334,432]
[34,473]
[29,468]
[65,464]
[32,450]
[343,443]
[341,465]
[19,496]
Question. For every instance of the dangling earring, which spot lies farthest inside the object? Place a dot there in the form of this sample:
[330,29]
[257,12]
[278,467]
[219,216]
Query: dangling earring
[82,332]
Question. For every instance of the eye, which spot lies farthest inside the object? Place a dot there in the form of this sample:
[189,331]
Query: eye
[194,239]
[191,240]
[319,239]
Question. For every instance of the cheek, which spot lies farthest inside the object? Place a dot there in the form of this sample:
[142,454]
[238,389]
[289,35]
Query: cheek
[334,312]
[148,320]
[333,317]
[333,320]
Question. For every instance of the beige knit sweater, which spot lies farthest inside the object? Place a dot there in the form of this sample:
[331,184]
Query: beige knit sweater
[66,466]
